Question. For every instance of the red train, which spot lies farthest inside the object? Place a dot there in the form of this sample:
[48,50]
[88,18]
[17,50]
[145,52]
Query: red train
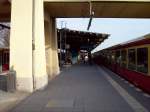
[130,60]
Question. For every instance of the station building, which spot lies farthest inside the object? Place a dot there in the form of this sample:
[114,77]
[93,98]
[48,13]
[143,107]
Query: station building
[33,29]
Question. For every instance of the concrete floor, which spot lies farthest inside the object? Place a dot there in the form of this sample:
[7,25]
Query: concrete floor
[9,100]
[85,88]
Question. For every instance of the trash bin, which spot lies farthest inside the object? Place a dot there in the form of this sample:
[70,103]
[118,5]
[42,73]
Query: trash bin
[8,81]
[3,84]
[11,81]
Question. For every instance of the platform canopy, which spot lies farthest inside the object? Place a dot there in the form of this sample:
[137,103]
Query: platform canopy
[5,10]
[101,8]
[79,40]
[81,8]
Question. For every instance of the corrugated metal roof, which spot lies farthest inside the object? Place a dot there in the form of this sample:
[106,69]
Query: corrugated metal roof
[4,35]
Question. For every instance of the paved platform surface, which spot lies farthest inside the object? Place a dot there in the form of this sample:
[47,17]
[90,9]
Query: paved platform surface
[85,88]
[8,100]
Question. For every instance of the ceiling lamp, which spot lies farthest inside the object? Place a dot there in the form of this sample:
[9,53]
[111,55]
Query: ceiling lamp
[91,16]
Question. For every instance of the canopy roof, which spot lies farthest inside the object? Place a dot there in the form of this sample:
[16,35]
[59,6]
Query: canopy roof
[80,39]
[101,8]
[81,8]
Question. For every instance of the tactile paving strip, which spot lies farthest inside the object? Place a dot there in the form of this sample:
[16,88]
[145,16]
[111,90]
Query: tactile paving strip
[60,104]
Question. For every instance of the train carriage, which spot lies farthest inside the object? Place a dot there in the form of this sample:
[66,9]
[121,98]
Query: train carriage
[130,60]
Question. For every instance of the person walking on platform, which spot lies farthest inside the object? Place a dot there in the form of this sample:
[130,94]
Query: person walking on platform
[90,58]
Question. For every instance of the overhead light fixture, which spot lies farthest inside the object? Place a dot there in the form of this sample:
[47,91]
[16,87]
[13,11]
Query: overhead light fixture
[91,16]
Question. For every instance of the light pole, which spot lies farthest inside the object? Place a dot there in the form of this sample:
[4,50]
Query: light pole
[61,37]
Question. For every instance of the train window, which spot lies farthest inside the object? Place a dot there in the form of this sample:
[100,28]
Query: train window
[123,58]
[112,58]
[132,59]
[118,57]
[142,60]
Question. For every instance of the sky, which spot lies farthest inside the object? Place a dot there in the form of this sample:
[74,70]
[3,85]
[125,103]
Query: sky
[120,30]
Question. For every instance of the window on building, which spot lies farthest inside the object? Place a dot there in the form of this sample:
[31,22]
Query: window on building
[142,60]
[132,59]
[124,58]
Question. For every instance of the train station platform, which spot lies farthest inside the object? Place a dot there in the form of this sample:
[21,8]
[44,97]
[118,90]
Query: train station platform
[85,88]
